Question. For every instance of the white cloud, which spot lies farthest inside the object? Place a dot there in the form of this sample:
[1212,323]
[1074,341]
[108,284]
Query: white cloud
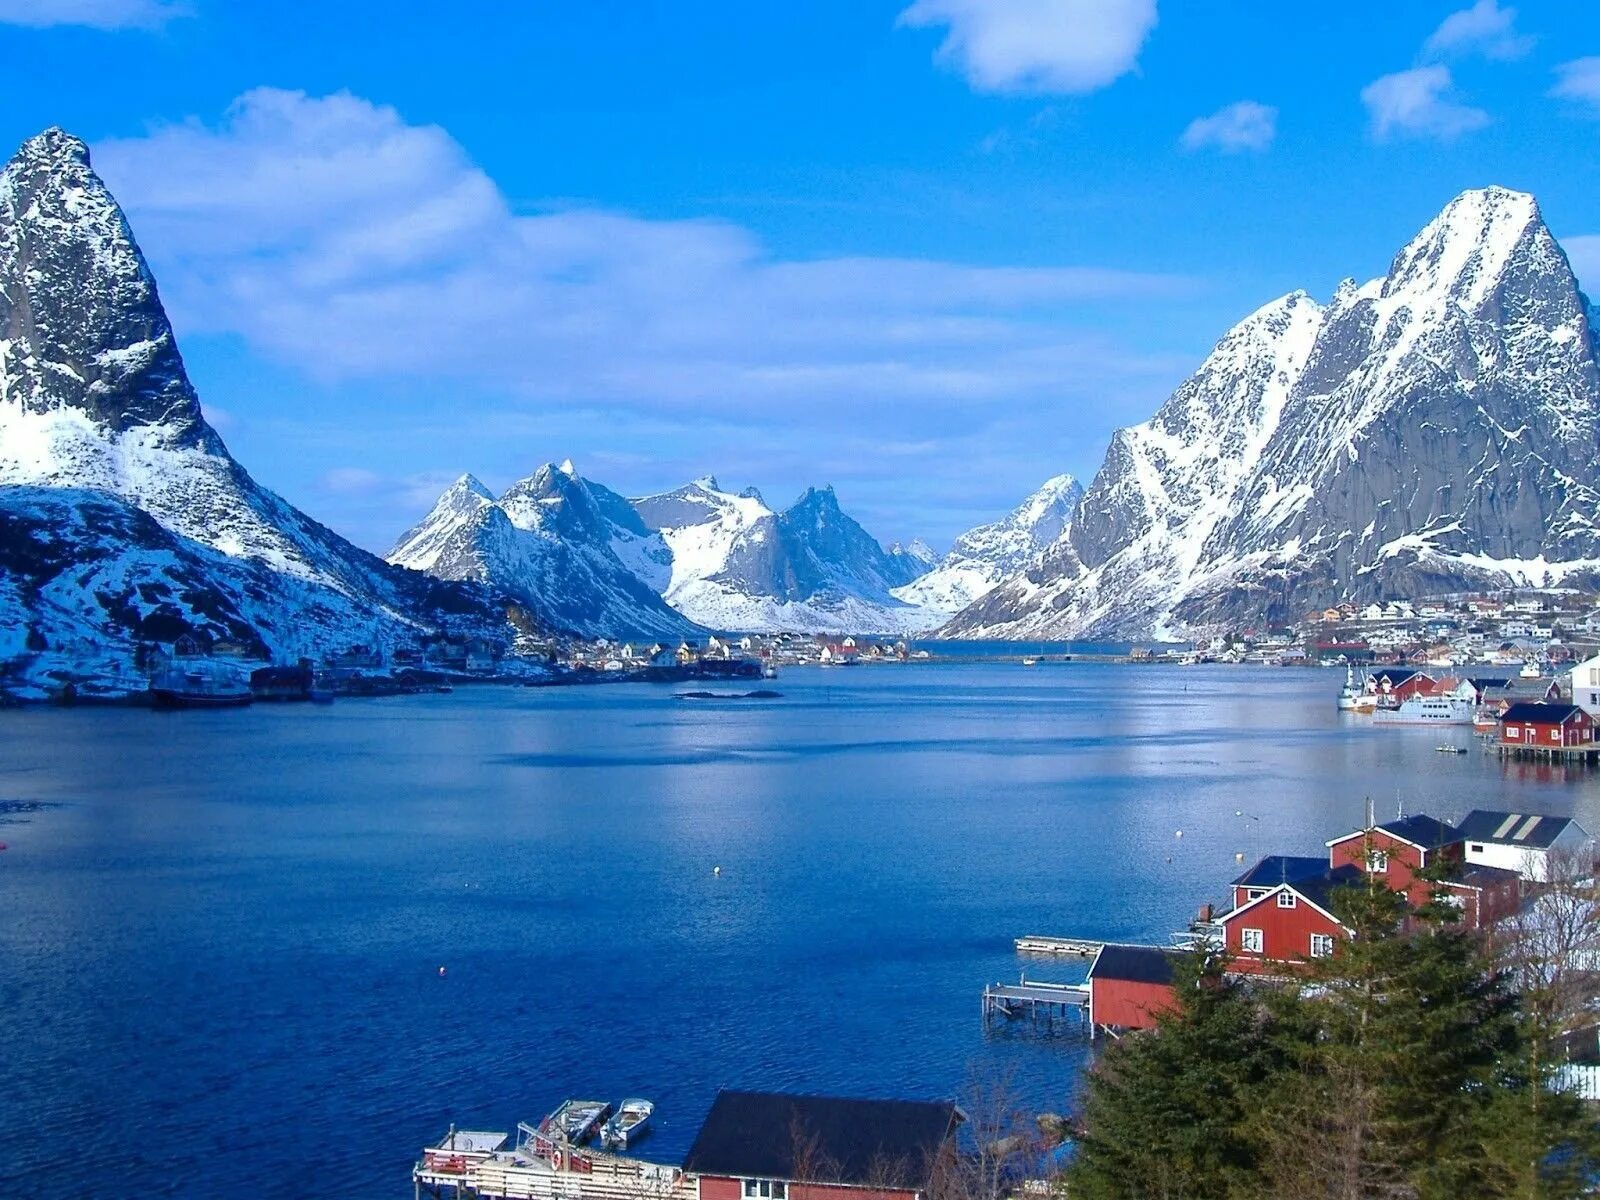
[332,235]
[1419,103]
[1485,29]
[1243,125]
[1063,46]
[95,14]
[1579,80]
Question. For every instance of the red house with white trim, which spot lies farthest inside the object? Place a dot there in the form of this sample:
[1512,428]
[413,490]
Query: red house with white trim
[1546,726]
[1287,924]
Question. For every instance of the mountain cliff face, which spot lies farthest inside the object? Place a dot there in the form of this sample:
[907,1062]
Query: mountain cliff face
[573,552]
[1434,430]
[122,515]
[987,555]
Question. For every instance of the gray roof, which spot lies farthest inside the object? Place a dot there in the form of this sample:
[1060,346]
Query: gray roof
[1514,829]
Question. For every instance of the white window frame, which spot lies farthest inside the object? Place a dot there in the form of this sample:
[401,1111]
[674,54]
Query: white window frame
[1378,862]
[1252,941]
[765,1189]
[1321,945]
[1286,900]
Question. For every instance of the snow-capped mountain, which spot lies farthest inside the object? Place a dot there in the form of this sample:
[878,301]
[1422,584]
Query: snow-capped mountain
[574,552]
[737,564]
[124,517]
[987,555]
[1434,430]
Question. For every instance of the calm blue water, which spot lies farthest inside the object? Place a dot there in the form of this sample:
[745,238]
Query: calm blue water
[220,937]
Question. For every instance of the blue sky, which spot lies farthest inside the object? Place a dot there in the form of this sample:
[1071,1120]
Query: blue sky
[930,252]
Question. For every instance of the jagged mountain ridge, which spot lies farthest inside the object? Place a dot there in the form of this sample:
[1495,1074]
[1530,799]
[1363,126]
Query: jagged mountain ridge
[101,427]
[562,546]
[987,555]
[1431,431]
[667,565]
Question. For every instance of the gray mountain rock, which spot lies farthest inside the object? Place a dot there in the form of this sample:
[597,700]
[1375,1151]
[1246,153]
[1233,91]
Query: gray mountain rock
[1432,431]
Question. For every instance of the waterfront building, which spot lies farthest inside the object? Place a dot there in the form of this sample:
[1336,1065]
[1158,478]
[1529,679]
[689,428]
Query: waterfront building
[1545,726]
[1129,986]
[771,1146]
[1520,843]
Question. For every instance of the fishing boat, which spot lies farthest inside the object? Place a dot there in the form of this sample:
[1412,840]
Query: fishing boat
[576,1120]
[200,683]
[1427,710]
[628,1125]
[1349,694]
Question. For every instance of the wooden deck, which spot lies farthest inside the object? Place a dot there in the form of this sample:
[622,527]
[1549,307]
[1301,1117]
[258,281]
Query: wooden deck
[1071,947]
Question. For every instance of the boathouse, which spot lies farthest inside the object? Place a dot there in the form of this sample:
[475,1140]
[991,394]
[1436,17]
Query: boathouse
[1130,986]
[1520,843]
[1541,726]
[771,1146]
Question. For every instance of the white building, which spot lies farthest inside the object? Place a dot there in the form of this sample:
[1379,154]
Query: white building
[1519,842]
[1585,680]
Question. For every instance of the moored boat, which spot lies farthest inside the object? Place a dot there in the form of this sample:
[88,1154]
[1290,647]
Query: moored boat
[200,683]
[630,1123]
[1427,710]
[576,1120]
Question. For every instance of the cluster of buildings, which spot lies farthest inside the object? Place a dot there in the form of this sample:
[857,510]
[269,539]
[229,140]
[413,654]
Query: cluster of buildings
[778,649]
[1280,915]
[1503,631]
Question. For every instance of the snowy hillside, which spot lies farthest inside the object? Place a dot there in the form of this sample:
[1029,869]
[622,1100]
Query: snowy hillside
[987,555]
[102,440]
[1433,430]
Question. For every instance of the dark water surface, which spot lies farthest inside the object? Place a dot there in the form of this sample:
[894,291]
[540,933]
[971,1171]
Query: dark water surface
[220,933]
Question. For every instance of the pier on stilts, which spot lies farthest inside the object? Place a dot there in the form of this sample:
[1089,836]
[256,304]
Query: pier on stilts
[1038,1002]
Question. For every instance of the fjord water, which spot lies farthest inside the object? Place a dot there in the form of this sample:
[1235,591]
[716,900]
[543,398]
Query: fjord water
[221,933]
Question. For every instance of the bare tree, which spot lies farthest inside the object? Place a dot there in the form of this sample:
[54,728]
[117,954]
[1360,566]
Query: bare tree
[999,1142]
[1551,946]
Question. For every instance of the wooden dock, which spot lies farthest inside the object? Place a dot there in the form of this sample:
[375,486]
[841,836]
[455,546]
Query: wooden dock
[1038,1002]
[1589,754]
[1069,947]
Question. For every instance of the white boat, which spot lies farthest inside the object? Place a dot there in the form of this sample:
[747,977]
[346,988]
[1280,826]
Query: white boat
[628,1125]
[1530,670]
[576,1120]
[1427,710]
[1349,694]
[1446,748]
[1030,662]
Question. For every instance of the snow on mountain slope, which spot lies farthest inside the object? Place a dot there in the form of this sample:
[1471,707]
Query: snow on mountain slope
[738,565]
[987,555]
[94,398]
[574,552]
[1434,430]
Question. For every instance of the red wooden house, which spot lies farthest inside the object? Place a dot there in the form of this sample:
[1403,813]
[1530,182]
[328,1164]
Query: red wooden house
[1129,986]
[1546,726]
[1396,850]
[770,1146]
[1287,924]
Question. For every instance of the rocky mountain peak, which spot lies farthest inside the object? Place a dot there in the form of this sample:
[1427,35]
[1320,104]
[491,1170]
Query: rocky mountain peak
[1466,249]
[81,324]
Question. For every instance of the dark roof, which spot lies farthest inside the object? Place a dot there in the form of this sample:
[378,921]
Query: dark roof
[1319,888]
[1539,713]
[763,1134]
[1395,675]
[1281,868]
[1422,830]
[1133,964]
[1513,829]
[1474,876]
[1486,683]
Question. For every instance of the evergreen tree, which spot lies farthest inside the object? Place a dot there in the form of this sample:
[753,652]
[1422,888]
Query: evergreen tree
[1165,1114]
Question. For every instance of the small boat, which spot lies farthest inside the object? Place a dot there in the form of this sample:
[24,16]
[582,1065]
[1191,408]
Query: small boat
[1530,670]
[770,671]
[576,1120]
[1448,749]
[629,1125]
[1030,662]
[201,683]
